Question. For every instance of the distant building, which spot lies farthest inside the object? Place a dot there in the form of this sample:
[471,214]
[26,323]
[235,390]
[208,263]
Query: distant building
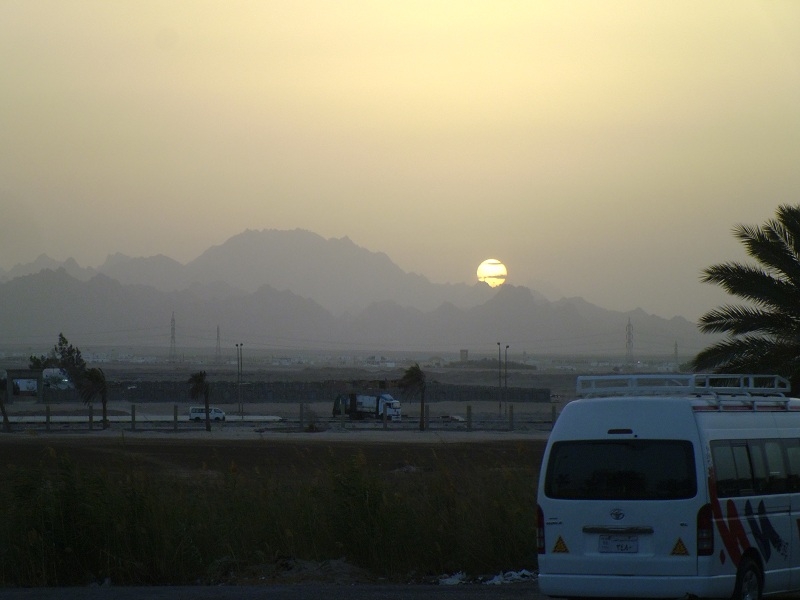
[464,355]
[380,361]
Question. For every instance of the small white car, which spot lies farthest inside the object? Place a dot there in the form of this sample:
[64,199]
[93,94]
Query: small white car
[198,413]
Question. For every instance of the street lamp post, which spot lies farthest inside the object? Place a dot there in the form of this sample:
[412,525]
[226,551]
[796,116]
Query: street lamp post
[499,382]
[239,349]
[505,388]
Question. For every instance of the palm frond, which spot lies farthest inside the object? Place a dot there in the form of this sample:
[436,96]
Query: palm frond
[773,245]
[751,354]
[413,380]
[198,386]
[789,216]
[753,284]
[740,320]
[92,384]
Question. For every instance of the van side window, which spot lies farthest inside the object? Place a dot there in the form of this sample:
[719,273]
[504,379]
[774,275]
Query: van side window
[724,469]
[793,458]
[758,463]
[742,459]
[732,468]
[776,467]
[745,468]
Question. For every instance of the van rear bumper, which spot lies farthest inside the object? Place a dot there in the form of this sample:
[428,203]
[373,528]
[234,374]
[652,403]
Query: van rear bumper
[609,586]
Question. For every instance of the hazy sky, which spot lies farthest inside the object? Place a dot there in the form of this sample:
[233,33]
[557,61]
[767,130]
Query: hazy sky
[603,149]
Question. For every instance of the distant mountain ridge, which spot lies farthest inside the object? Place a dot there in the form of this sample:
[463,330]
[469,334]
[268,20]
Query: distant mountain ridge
[340,275]
[295,289]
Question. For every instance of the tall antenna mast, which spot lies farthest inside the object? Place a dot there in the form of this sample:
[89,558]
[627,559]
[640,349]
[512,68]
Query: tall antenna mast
[173,353]
[218,355]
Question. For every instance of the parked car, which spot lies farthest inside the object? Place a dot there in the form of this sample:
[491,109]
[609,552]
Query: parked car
[198,413]
[451,419]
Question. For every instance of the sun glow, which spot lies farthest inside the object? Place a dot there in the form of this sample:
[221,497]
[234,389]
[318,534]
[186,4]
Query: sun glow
[492,272]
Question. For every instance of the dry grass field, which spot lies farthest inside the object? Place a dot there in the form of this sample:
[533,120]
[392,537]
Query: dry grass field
[298,455]
[158,504]
[295,507]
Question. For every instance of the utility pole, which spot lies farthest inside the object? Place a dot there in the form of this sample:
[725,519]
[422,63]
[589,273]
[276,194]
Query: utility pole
[505,387]
[239,349]
[499,382]
[173,353]
[629,344]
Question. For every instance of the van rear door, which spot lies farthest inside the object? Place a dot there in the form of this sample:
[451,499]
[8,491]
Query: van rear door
[620,506]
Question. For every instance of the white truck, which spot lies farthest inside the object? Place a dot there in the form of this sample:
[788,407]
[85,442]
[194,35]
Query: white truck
[367,406]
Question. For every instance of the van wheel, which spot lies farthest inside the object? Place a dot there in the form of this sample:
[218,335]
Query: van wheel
[197,419]
[749,582]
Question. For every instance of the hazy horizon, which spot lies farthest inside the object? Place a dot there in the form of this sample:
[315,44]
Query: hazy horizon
[602,150]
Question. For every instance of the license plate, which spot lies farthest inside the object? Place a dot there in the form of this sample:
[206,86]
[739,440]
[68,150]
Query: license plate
[619,544]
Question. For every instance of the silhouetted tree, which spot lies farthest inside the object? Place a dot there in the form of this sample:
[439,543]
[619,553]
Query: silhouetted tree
[197,386]
[412,383]
[763,336]
[91,385]
[63,356]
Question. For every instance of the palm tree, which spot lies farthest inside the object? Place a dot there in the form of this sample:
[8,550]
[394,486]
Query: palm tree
[92,384]
[413,382]
[764,336]
[197,386]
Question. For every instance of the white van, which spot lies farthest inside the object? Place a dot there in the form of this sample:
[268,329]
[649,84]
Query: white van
[198,413]
[672,486]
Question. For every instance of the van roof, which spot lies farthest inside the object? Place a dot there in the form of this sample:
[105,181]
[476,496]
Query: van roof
[681,384]
[718,391]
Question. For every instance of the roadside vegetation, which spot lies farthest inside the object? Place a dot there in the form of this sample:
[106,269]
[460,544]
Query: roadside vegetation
[90,382]
[199,386]
[74,518]
[412,383]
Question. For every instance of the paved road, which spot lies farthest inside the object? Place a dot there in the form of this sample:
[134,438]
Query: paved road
[530,420]
[306,591]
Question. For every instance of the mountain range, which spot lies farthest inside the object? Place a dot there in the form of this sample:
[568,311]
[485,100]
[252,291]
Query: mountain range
[292,290]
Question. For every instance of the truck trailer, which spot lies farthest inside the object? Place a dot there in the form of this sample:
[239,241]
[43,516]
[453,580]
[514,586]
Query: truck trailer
[367,406]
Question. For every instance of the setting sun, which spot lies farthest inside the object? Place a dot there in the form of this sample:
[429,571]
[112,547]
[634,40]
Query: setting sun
[492,272]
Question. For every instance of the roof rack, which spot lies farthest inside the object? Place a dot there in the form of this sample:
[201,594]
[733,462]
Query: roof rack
[678,384]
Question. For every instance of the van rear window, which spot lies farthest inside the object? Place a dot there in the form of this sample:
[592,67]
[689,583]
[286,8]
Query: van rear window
[621,470]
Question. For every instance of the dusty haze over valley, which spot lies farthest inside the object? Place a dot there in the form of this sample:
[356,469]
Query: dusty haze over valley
[290,291]
[601,150]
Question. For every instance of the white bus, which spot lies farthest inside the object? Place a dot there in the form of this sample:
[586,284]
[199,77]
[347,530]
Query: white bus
[672,486]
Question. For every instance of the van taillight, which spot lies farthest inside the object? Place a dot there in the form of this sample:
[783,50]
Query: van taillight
[540,530]
[705,531]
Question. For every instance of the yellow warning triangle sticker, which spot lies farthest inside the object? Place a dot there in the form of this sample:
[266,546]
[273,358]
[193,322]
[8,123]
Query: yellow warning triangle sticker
[560,547]
[680,549]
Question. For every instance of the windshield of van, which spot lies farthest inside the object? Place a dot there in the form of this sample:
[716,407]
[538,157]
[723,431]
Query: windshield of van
[621,470]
